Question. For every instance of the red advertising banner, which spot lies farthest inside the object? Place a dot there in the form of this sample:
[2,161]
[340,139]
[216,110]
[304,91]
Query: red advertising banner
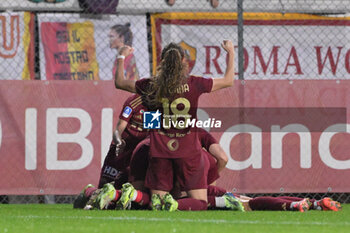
[52,134]
[280,136]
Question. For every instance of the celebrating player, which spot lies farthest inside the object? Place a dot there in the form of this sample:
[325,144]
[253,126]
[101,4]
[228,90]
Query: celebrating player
[215,160]
[175,151]
[130,128]
[116,164]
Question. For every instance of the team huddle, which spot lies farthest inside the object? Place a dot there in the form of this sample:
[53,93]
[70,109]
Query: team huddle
[172,168]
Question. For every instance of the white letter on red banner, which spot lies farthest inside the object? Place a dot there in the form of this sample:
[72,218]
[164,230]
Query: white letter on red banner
[53,138]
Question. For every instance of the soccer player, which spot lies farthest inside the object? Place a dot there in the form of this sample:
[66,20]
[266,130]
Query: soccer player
[116,164]
[214,156]
[130,128]
[175,152]
[215,161]
[290,203]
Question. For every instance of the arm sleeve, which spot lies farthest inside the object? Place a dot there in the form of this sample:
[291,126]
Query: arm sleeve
[127,111]
[203,85]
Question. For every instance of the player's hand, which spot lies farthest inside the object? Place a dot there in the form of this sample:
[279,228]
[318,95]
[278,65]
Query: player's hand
[227,45]
[119,148]
[125,50]
[119,142]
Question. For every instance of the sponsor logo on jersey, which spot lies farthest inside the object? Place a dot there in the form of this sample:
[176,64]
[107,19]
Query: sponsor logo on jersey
[127,111]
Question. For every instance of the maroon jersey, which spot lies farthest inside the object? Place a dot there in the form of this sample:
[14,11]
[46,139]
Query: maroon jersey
[172,141]
[132,113]
[206,138]
[133,133]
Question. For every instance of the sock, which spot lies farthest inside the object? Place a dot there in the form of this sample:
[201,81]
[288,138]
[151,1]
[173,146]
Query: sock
[314,202]
[315,205]
[191,204]
[216,202]
[220,202]
[269,203]
[216,191]
[89,191]
[292,204]
[117,195]
[141,197]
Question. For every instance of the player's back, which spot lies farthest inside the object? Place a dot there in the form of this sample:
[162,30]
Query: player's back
[177,137]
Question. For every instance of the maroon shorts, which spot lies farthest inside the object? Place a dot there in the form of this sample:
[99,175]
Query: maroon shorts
[213,173]
[139,161]
[190,172]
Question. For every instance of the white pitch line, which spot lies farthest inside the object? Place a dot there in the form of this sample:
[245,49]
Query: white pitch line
[216,221]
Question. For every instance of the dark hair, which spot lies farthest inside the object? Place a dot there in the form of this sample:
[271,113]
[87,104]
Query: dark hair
[124,30]
[169,77]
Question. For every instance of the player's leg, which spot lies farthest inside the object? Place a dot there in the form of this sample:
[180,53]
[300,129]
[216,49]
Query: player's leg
[84,196]
[135,190]
[117,165]
[191,173]
[227,201]
[275,203]
[323,204]
[219,197]
[328,203]
[139,165]
[216,191]
[130,194]
[159,180]
[108,170]
[106,197]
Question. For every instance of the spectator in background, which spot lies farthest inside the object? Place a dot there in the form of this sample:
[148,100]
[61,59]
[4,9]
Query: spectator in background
[213,3]
[119,36]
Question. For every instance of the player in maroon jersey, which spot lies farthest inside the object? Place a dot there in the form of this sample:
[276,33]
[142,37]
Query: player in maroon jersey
[214,156]
[218,198]
[288,203]
[130,128]
[175,152]
[215,161]
[135,191]
[116,164]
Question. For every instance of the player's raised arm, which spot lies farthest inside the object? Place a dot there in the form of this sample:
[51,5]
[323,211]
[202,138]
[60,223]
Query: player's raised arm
[119,80]
[227,80]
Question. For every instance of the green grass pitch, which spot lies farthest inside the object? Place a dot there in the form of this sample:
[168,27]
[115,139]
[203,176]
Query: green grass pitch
[39,218]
